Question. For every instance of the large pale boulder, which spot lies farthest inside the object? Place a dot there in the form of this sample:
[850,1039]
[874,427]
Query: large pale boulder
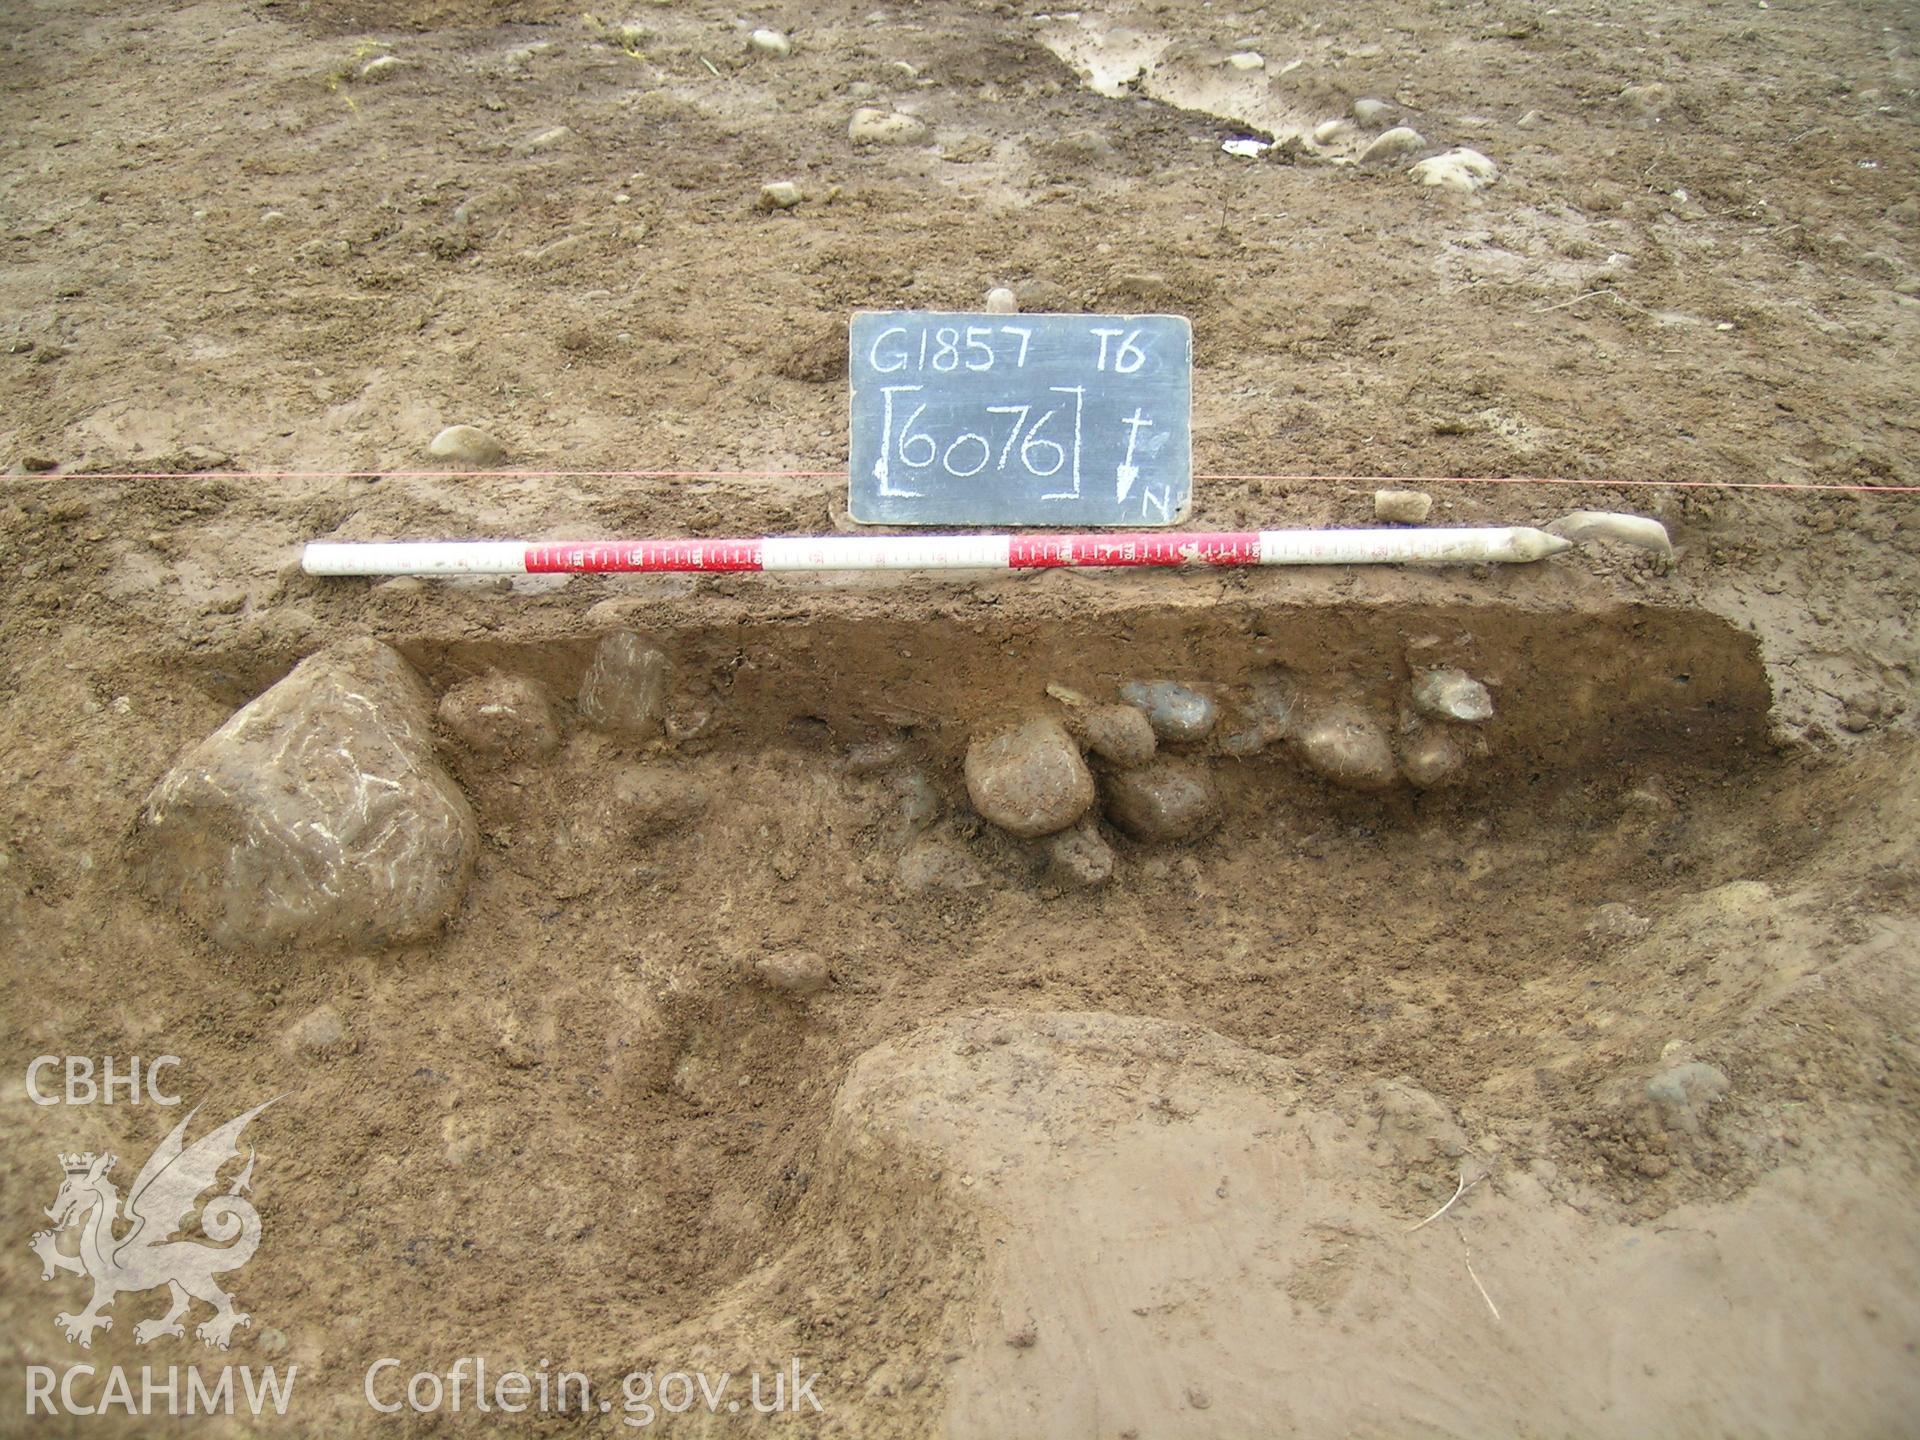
[317,815]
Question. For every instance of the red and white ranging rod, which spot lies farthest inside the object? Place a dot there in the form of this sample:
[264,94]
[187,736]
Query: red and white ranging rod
[1163,549]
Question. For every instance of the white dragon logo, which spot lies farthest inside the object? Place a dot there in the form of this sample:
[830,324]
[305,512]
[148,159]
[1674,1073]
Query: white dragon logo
[165,1194]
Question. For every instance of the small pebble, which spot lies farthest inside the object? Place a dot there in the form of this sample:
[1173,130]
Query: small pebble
[780,195]
[466,445]
[1372,113]
[1430,757]
[1685,1093]
[885,127]
[1119,734]
[1402,507]
[548,139]
[1391,145]
[1332,132]
[1647,101]
[1349,747]
[1079,858]
[799,973]
[1247,60]
[1002,301]
[937,863]
[1452,695]
[381,68]
[770,42]
[320,1031]
[1177,713]
[1532,120]
[1462,170]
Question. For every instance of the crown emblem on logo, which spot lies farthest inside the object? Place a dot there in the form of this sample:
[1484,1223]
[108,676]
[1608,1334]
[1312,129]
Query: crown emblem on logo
[76,1164]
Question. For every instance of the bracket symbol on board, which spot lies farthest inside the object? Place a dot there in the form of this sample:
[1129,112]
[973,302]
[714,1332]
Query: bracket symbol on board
[1127,474]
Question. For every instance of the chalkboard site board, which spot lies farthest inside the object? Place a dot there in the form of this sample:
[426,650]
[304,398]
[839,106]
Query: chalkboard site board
[1055,420]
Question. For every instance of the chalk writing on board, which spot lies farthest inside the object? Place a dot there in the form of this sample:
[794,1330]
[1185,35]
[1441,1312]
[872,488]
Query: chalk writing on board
[1025,420]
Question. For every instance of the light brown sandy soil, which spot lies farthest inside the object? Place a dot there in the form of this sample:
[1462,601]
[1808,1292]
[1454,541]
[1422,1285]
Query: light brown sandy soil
[1137,1160]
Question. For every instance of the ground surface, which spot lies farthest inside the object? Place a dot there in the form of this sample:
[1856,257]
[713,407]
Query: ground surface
[1137,1160]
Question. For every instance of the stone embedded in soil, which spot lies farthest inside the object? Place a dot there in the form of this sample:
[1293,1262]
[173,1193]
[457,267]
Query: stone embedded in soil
[1402,507]
[1166,800]
[1647,102]
[1119,734]
[780,195]
[1430,757]
[798,973]
[467,445]
[1392,144]
[870,126]
[320,1032]
[1029,779]
[937,863]
[1350,748]
[1371,112]
[1247,60]
[1178,713]
[500,717]
[1452,695]
[1267,715]
[1079,858]
[770,42]
[1462,169]
[1332,132]
[1002,301]
[1684,1093]
[655,800]
[319,814]
[1615,923]
[624,691]
[381,68]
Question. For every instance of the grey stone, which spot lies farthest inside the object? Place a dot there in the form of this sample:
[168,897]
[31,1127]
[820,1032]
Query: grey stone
[1267,715]
[798,973]
[770,42]
[870,757]
[1452,695]
[1002,301]
[1350,748]
[500,717]
[380,68]
[318,814]
[1177,713]
[1119,734]
[1430,757]
[1684,1093]
[467,445]
[1372,113]
[885,127]
[625,687]
[1392,144]
[1080,858]
[780,195]
[1166,800]
[1029,779]
[1402,507]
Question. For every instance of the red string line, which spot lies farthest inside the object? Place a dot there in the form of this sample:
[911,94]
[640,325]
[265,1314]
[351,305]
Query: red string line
[1561,480]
